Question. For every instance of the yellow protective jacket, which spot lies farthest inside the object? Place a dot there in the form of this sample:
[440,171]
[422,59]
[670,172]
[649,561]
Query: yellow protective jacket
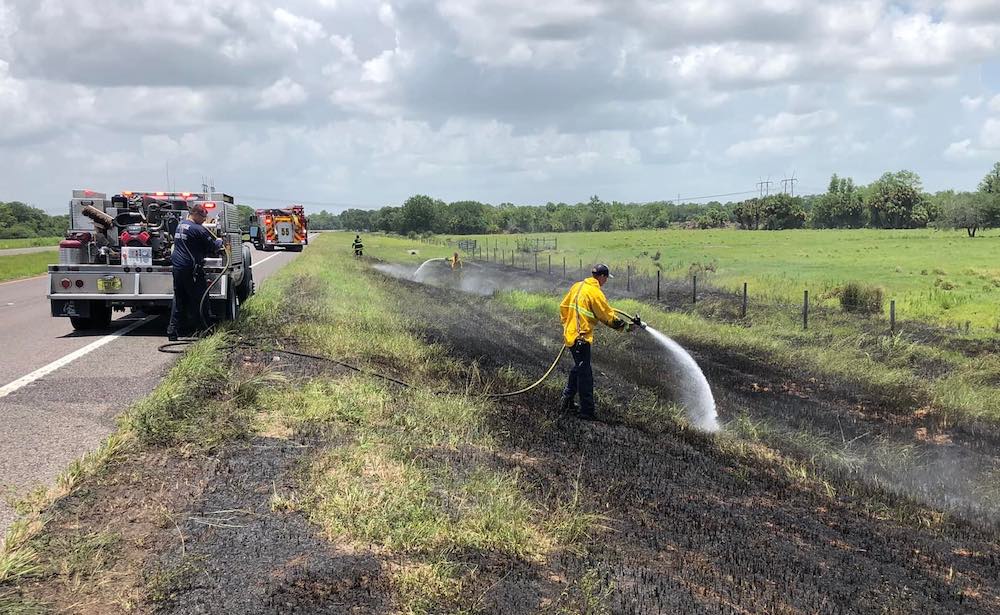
[582,307]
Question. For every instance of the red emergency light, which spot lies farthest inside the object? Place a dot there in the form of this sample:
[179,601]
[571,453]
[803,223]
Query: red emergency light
[210,205]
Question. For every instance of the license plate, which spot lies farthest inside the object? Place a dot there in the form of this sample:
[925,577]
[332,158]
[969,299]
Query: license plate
[137,257]
[109,284]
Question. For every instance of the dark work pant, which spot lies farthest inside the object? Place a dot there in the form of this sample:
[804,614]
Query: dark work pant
[188,291]
[581,377]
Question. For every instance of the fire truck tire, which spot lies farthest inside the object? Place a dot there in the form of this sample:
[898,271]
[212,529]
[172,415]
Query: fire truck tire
[246,287]
[100,318]
[232,307]
[268,248]
[294,248]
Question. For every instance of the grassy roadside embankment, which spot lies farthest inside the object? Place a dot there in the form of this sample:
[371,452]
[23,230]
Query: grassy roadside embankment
[20,266]
[403,471]
[465,505]
[30,242]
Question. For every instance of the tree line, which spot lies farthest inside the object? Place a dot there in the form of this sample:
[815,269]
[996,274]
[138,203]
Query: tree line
[21,221]
[895,200]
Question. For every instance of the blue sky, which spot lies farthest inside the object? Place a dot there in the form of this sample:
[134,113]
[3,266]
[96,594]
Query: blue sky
[364,103]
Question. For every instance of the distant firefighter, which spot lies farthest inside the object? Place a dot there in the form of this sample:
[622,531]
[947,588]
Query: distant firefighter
[456,263]
[358,246]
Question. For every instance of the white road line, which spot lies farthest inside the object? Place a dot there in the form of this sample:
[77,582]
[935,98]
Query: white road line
[73,356]
[263,260]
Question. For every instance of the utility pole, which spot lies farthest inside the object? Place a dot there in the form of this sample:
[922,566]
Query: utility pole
[764,187]
[788,185]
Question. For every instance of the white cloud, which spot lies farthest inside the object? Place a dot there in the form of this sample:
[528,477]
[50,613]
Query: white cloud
[962,150]
[492,99]
[293,30]
[970,103]
[282,93]
[768,146]
[787,123]
[989,136]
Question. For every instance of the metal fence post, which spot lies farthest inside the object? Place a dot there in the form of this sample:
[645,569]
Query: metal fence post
[694,289]
[564,266]
[657,284]
[892,317]
[628,278]
[536,262]
[550,264]
[805,309]
[743,307]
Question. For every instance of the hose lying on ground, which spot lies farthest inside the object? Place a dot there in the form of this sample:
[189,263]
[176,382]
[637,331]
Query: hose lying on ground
[177,347]
[407,385]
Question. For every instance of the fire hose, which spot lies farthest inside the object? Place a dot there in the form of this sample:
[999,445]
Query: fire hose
[171,346]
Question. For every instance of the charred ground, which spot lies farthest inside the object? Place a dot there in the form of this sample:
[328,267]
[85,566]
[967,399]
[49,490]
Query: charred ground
[682,522]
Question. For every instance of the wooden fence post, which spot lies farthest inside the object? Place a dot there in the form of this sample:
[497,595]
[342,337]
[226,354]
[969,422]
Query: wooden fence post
[536,262]
[805,309]
[550,264]
[743,306]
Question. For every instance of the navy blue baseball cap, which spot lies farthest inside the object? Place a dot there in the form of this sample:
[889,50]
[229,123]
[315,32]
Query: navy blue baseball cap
[601,269]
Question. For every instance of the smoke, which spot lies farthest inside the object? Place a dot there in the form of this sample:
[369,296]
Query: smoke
[472,277]
[695,394]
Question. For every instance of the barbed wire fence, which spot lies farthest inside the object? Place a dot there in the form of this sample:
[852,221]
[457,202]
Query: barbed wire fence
[695,292]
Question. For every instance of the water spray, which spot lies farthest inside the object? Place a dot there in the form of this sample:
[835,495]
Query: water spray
[695,393]
[416,274]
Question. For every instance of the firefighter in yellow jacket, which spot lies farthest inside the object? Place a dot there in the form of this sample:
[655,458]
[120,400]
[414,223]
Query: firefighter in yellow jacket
[582,307]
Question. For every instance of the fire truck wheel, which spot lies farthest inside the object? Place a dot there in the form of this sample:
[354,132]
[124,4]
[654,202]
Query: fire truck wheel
[245,288]
[232,307]
[100,318]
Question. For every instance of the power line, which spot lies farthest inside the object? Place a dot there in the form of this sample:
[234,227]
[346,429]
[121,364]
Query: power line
[299,201]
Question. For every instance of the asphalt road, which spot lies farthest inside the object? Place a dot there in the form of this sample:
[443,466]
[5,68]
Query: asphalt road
[61,390]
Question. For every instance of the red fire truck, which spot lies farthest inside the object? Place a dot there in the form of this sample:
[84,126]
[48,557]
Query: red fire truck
[283,228]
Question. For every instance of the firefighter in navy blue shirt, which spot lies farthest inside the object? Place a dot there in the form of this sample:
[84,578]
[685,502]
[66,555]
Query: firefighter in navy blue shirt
[192,243]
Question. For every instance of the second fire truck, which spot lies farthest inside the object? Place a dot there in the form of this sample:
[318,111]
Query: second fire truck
[280,228]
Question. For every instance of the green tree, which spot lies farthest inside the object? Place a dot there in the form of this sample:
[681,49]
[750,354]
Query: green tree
[782,211]
[420,214]
[19,221]
[895,200]
[841,207]
[356,220]
[969,210]
[748,213]
[991,183]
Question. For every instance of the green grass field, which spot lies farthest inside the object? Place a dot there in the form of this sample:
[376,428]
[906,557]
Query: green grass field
[26,265]
[935,276]
[33,242]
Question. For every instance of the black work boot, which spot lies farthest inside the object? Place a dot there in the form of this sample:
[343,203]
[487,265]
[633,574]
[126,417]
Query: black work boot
[566,404]
[586,415]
